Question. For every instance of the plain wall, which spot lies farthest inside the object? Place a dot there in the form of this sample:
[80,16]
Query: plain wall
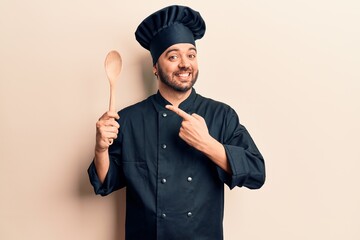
[289,68]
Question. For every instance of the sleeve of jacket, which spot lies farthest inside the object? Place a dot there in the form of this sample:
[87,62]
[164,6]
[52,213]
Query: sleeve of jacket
[114,179]
[246,162]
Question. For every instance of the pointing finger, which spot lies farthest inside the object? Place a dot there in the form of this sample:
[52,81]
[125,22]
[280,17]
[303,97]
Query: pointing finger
[179,112]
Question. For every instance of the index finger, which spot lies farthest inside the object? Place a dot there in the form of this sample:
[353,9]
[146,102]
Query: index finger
[179,112]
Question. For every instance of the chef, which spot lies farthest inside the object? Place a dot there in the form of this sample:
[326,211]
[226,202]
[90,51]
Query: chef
[176,150]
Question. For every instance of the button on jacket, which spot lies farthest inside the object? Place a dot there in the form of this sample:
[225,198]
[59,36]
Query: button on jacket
[173,191]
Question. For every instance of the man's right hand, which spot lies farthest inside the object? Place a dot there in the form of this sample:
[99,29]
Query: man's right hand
[107,130]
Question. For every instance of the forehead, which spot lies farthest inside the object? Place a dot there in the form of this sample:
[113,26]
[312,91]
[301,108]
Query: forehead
[180,47]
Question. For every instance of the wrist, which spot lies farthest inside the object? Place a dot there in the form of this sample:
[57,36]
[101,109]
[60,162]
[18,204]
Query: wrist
[207,145]
[99,152]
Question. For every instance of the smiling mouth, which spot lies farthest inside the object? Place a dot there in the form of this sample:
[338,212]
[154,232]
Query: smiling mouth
[183,75]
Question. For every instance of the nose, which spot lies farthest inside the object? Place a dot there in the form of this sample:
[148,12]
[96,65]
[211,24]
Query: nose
[184,62]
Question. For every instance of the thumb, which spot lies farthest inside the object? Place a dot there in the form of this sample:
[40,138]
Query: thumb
[110,114]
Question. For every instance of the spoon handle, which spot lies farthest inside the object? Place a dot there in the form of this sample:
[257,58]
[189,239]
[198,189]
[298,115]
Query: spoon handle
[112,98]
[112,104]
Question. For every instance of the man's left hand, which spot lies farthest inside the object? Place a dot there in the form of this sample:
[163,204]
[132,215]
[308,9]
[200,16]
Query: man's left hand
[193,130]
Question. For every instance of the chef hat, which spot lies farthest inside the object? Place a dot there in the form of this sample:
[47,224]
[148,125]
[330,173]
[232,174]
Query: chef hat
[169,26]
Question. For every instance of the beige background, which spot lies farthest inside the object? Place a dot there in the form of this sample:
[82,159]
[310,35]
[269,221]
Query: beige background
[289,68]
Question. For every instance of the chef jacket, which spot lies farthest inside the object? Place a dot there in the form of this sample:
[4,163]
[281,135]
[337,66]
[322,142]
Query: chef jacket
[173,191]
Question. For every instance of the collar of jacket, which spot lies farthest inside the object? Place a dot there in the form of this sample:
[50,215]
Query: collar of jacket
[160,102]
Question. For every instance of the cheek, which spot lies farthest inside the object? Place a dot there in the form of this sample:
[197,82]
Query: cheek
[170,70]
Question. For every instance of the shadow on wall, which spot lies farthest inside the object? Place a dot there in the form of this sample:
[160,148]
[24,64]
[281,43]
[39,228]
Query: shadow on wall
[148,79]
[120,203]
[85,189]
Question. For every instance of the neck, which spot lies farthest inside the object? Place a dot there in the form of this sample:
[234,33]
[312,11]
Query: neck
[174,97]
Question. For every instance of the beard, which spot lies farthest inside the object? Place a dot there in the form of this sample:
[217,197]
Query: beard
[167,80]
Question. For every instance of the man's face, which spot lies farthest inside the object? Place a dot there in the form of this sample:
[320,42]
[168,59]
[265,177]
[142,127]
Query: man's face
[177,67]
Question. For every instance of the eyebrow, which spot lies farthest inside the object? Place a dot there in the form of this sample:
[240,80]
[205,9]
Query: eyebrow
[176,50]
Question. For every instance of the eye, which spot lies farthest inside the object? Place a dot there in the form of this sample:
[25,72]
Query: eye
[192,56]
[173,57]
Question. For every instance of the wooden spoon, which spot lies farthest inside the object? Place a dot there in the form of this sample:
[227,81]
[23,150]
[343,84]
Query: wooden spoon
[113,65]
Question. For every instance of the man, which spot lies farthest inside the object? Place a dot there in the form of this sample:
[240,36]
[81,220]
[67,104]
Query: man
[175,150]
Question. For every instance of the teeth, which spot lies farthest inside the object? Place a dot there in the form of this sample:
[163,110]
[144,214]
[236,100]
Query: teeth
[184,75]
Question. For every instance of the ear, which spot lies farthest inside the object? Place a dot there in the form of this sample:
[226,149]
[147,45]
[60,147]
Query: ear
[155,70]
